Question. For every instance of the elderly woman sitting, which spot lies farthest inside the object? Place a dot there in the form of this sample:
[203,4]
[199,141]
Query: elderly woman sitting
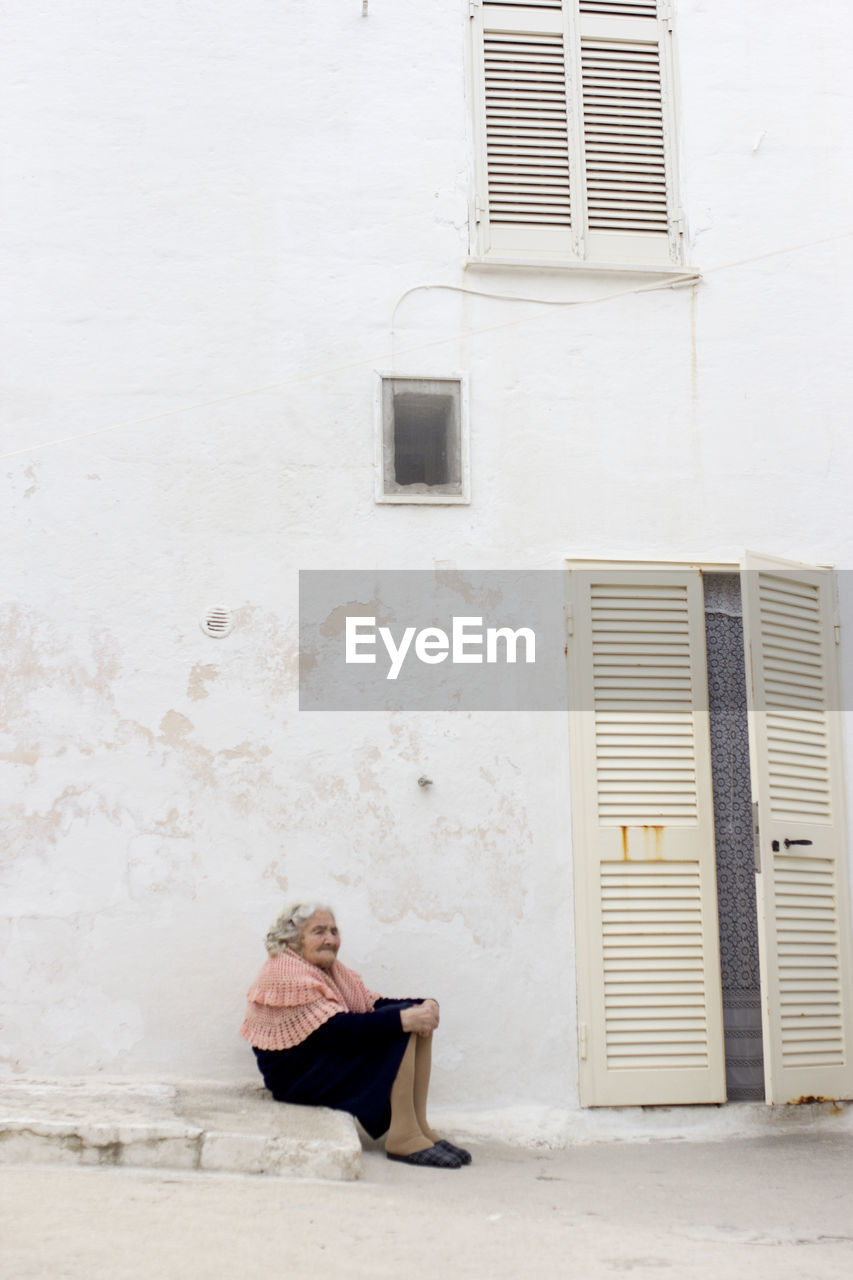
[322,1039]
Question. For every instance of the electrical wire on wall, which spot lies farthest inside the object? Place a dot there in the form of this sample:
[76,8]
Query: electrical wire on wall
[688,277]
[681,281]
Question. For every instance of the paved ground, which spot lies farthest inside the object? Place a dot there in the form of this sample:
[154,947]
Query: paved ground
[776,1207]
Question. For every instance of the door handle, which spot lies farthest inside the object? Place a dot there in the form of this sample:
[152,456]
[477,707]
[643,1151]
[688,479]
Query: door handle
[788,843]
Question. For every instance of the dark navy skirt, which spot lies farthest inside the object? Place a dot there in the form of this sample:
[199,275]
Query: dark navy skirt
[349,1064]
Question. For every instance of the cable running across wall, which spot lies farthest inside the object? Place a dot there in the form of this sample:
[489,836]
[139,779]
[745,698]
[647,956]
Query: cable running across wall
[378,358]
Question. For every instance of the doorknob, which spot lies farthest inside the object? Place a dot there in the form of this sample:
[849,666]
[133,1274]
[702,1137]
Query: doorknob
[788,843]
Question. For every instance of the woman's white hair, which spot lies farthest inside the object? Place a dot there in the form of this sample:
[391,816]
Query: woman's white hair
[288,926]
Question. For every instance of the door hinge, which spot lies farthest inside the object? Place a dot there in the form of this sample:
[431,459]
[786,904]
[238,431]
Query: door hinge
[836,627]
[473,6]
[479,210]
[677,223]
[570,622]
[756,838]
[584,1041]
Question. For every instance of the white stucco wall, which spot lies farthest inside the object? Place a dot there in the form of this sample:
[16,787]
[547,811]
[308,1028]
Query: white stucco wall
[216,210]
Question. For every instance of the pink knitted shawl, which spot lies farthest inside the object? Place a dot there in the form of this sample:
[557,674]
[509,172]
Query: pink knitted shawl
[290,998]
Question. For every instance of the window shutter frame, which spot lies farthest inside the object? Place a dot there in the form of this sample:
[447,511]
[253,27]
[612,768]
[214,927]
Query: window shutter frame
[580,243]
[631,39]
[513,25]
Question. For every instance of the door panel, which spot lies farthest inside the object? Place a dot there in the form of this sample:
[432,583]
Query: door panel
[649,990]
[801,887]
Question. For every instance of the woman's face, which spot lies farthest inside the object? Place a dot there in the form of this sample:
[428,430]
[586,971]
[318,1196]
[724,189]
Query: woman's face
[320,940]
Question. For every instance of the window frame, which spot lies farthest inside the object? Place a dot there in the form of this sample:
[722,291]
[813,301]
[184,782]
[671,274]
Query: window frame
[596,250]
[431,496]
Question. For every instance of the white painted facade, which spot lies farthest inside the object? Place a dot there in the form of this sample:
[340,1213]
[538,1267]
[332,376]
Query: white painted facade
[222,221]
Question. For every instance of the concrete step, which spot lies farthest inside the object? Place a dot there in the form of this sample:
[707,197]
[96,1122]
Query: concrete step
[188,1125]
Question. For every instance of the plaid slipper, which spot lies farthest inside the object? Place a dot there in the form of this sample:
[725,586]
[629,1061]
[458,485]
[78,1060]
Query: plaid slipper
[438,1157]
[464,1156]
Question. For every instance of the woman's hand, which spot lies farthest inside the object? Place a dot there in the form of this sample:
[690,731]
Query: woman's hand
[434,1005]
[420,1018]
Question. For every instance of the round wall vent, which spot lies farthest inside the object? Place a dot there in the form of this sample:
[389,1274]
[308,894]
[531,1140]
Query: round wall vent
[217,623]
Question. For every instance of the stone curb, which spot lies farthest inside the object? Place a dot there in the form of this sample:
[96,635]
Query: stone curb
[188,1126]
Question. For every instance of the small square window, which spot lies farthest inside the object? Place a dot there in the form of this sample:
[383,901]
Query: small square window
[422,440]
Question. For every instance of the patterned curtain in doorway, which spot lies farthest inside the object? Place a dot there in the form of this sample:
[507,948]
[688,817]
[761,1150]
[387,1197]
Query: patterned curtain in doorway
[733,826]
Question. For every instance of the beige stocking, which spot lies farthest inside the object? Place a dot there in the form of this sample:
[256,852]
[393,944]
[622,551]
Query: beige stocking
[404,1134]
[423,1065]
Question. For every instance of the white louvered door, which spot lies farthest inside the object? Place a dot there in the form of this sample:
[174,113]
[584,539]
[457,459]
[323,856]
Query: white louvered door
[649,996]
[801,888]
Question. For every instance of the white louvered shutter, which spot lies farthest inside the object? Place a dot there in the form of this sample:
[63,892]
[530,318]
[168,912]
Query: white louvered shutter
[526,205]
[649,996]
[576,123]
[802,894]
[627,122]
